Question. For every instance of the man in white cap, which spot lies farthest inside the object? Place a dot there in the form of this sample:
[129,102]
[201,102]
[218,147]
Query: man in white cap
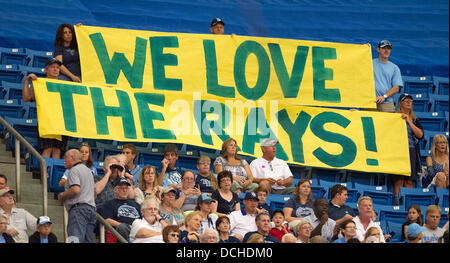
[271,173]
[44,232]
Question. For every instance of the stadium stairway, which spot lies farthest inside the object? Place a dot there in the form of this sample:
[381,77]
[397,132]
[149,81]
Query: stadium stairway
[31,192]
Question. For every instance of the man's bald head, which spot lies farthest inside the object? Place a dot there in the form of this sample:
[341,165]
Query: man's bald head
[72,157]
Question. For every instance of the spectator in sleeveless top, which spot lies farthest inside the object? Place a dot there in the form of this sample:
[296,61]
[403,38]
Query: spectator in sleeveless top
[66,51]
[50,148]
[299,206]
[415,133]
[148,187]
[242,174]
[227,201]
[437,163]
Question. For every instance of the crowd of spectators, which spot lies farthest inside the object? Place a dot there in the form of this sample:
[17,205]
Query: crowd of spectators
[169,205]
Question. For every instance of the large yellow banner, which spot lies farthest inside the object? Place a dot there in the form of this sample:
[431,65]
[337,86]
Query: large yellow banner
[220,67]
[313,136]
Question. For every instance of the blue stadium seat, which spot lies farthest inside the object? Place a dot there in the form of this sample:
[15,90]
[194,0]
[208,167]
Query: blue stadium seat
[278,201]
[395,214]
[432,121]
[10,73]
[331,175]
[11,108]
[188,160]
[10,56]
[106,149]
[379,194]
[440,85]
[55,173]
[417,85]
[37,58]
[99,167]
[12,91]
[150,158]
[30,110]
[427,141]
[442,195]
[39,72]
[421,103]
[318,192]
[361,177]
[446,121]
[392,228]
[417,196]
[423,156]
[26,127]
[439,103]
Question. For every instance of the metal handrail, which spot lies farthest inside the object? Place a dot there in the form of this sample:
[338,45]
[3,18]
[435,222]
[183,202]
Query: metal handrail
[19,139]
[108,226]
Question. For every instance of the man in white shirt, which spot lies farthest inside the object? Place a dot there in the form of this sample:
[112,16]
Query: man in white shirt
[364,220]
[320,223]
[243,221]
[20,220]
[271,173]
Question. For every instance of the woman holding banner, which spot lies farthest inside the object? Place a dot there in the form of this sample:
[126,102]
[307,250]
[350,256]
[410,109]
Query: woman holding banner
[228,160]
[415,133]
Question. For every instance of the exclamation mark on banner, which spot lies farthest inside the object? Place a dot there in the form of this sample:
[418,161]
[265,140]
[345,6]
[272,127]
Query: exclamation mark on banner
[369,138]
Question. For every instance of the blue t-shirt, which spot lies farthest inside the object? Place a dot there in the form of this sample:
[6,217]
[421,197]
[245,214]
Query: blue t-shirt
[2,240]
[386,76]
[340,240]
[299,210]
[136,172]
[44,240]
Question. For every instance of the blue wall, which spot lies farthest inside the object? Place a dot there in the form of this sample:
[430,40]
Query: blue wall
[419,30]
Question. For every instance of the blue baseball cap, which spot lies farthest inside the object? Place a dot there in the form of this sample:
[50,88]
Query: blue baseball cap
[414,229]
[251,195]
[205,199]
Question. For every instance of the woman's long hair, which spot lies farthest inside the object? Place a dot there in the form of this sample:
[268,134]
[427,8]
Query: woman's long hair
[59,40]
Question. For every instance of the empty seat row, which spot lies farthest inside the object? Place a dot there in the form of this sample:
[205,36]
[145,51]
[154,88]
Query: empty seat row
[16,74]
[24,57]
[425,85]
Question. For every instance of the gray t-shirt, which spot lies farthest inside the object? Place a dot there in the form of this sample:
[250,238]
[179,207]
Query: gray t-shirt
[432,236]
[81,175]
[236,170]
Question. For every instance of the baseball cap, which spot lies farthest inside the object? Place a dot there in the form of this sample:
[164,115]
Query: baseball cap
[216,21]
[404,96]
[384,43]
[414,229]
[43,220]
[251,195]
[167,189]
[122,181]
[51,61]
[268,142]
[4,191]
[205,198]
